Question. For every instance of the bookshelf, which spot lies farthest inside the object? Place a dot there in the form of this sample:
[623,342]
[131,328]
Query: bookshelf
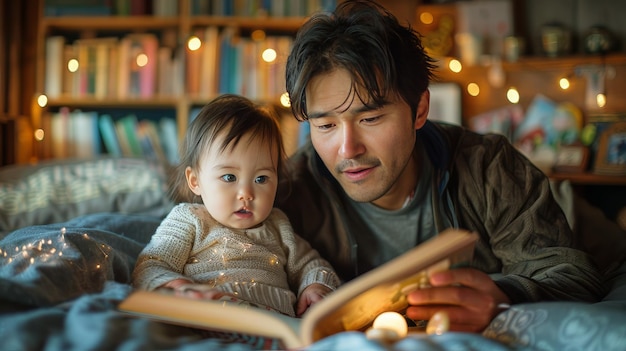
[182,79]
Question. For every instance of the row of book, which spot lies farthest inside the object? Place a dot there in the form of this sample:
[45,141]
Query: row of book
[86,134]
[260,8]
[56,8]
[245,8]
[141,65]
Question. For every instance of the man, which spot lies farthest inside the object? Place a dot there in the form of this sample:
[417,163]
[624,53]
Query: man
[378,178]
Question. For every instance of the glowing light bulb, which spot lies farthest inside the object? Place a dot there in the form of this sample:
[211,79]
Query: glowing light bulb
[141,60]
[473,89]
[284,100]
[564,83]
[194,43]
[427,18]
[72,65]
[512,95]
[269,55]
[455,66]
[392,321]
[601,100]
[42,100]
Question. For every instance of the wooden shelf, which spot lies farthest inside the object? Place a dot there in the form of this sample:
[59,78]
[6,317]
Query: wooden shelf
[589,178]
[78,23]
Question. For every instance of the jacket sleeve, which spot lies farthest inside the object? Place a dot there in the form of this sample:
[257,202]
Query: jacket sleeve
[524,232]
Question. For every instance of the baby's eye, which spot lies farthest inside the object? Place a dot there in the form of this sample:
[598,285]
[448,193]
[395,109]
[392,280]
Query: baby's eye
[228,178]
[261,179]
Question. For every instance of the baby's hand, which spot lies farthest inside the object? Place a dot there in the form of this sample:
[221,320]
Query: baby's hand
[311,294]
[196,291]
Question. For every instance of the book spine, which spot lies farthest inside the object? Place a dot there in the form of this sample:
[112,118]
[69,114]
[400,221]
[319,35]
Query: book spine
[55,48]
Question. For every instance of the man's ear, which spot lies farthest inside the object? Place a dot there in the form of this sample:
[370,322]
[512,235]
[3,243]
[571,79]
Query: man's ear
[192,180]
[422,110]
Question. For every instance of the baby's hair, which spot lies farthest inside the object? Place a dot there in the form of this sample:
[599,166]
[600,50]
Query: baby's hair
[234,115]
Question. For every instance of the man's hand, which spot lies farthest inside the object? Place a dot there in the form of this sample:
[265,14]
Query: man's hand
[469,297]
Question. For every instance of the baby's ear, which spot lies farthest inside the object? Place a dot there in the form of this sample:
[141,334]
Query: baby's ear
[192,180]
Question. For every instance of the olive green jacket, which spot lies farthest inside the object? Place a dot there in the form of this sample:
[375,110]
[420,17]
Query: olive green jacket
[482,184]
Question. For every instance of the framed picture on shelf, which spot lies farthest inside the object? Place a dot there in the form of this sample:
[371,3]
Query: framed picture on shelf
[571,158]
[611,155]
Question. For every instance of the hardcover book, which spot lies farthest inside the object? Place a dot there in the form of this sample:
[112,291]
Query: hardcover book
[352,307]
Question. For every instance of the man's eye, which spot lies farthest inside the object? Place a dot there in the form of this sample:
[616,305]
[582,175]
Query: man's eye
[229,178]
[325,126]
[371,119]
[261,179]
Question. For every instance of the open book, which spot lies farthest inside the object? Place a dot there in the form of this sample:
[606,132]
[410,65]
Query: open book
[353,306]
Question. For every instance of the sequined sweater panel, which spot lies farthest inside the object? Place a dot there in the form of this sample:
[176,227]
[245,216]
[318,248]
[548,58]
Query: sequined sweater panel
[266,265]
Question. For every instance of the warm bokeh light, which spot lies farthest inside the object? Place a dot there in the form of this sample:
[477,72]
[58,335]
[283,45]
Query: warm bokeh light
[258,35]
[72,65]
[391,321]
[42,100]
[142,60]
[564,83]
[455,65]
[601,100]
[269,55]
[284,100]
[194,43]
[473,89]
[512,95]
[39,134]
[426,17]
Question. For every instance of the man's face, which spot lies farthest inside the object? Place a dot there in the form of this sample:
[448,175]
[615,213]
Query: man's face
[369,151]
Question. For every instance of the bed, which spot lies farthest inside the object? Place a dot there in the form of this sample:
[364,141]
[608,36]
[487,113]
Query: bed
[70,232]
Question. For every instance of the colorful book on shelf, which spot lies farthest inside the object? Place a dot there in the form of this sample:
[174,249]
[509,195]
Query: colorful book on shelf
[109,135]
[55,45]
[126,128]
[150,141]
[85,135]
[209,64]
[168,132]
[352,307]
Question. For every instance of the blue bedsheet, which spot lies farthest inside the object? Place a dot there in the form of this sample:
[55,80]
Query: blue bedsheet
[60,285]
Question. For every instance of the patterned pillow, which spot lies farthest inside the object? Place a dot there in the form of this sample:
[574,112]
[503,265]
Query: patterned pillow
[57,191]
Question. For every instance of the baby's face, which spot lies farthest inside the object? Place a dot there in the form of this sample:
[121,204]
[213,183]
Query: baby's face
[238,185]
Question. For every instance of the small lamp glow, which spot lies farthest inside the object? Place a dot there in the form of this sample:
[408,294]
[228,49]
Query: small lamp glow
[269,55]
[141,60]
[473,89]
[427,17]
[601,100]
[194,43]
[392,321]
[455,66]
[512,95]
[72,65]
[564,83]
[284,100]
[42,100]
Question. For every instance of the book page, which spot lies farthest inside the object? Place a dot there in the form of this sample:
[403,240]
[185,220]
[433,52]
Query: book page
[357,303]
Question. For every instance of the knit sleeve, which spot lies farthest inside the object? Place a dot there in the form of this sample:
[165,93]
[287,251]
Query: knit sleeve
[304,264]
[165,256]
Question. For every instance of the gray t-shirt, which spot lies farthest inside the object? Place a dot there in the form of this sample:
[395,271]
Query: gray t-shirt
[392,233]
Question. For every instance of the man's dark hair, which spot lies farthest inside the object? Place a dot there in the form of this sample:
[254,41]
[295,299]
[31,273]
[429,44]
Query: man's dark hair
[383,56]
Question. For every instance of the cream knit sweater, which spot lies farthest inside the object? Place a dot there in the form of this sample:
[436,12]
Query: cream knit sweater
[263,265]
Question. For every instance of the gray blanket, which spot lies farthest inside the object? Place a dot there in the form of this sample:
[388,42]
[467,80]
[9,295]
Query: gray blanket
[60,285]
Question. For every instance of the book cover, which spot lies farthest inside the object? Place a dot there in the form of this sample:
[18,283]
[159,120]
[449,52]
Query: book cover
[55,47]
[352,307]
[109,135]
[127,125]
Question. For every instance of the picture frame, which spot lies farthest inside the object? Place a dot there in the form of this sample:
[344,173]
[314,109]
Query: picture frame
[572,158]
[611,156]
